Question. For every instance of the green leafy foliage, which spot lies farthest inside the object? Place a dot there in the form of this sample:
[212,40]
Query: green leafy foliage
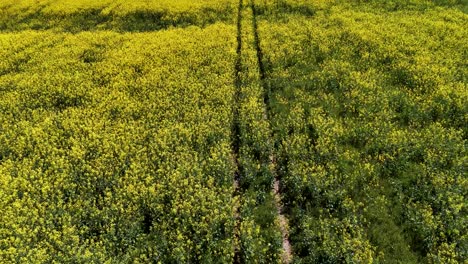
[260,235]
[125,127]
[370,119]
[123,16]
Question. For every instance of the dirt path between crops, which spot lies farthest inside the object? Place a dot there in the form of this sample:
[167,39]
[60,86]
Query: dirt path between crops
[284,227]
[283,222]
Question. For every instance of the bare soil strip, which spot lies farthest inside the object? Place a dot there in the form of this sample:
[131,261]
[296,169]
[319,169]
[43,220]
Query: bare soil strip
[283,221]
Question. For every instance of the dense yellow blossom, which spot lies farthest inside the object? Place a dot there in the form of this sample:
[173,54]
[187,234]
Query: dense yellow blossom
[151,131]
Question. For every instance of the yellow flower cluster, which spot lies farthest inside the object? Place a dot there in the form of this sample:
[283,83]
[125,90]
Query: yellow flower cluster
[120,15]
[124,124]
[369,112]
[116,147]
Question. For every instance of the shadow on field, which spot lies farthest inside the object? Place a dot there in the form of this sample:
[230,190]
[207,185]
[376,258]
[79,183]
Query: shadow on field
[283,8]
[394,6]
[95,19]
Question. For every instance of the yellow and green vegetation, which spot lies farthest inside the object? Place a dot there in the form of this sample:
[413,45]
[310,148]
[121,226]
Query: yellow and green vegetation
[151,131]
[369,112]
[115,15]
[116,146]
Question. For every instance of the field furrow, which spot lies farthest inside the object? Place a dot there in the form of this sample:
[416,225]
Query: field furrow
[233,131]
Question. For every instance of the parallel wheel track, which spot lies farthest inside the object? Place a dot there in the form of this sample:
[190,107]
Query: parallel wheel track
[283,222]
[236,141]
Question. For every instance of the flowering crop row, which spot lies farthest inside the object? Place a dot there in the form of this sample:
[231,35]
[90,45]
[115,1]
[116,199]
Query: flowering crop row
[260,232]
[369,112]
[116,147]
[121,15]
[124,124]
